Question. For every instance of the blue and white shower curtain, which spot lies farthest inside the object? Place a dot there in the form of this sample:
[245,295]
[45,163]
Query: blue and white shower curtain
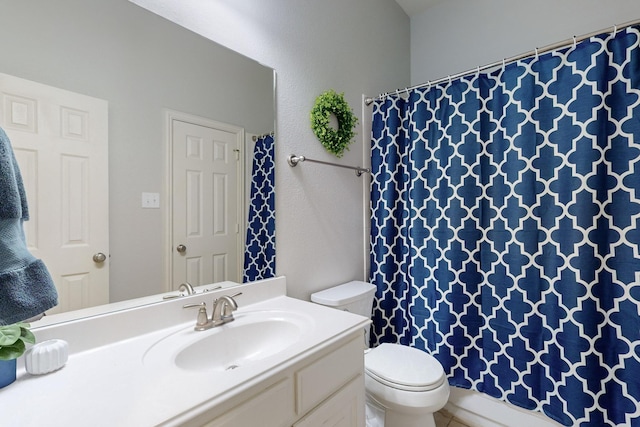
[260,247]
[505,229]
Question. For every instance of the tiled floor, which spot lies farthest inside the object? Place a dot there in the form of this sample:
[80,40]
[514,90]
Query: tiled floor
[445,419]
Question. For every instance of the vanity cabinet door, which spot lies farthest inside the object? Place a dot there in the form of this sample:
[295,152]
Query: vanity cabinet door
[324,376]
[344,409]
[271,408]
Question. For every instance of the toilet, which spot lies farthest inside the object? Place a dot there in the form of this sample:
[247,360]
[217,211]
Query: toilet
[404,385]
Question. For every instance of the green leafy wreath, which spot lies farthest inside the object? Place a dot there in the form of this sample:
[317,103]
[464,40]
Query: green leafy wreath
[334,140]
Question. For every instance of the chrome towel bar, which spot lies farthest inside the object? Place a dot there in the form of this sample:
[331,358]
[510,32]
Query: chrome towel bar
[293,161]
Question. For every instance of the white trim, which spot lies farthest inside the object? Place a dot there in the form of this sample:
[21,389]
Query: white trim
[481,410]
[169,117]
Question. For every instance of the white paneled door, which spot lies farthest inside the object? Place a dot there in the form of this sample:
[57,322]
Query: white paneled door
[207,203]
[60,139]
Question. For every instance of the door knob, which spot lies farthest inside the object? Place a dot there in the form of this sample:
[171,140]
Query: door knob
[181,248]
[99,257]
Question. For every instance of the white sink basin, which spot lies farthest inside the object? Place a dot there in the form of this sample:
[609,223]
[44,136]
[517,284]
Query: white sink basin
[251,337]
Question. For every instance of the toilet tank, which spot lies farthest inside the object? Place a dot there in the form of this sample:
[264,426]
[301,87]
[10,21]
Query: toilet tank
[355,297]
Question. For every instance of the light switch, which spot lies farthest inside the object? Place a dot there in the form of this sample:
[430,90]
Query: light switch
[150,200]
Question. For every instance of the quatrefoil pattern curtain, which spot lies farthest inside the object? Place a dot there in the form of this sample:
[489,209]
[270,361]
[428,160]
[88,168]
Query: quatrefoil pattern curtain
[260,247]
[505,229]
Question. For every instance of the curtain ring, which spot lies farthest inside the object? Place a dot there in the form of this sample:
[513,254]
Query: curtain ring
[478,69]
[536,53]
[615,30]
[449,78]
[575,42]
[504,63]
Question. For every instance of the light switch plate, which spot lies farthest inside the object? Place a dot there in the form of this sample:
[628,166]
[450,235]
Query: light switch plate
[150,200]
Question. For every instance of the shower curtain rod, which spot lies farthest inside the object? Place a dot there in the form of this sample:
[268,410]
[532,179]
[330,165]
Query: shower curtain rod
[535,52]
[293,161]
[257,137]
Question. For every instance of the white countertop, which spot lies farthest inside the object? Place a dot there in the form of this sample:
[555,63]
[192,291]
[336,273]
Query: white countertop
[109,385]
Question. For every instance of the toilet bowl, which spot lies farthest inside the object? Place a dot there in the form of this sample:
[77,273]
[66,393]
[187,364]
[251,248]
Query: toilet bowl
[404,386]
[408,384]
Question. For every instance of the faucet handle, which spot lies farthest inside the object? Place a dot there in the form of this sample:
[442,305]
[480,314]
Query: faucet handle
[203,318]
[200,304]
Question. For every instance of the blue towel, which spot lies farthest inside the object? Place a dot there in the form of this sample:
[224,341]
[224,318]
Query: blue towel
[26,287]
[13,199]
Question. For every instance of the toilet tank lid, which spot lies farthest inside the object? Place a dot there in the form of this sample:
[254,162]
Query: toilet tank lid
[343,294]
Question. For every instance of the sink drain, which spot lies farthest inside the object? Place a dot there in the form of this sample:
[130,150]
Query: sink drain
[230,367]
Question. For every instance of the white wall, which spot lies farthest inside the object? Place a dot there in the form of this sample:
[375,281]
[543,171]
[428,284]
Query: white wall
[458,35]
[356,47]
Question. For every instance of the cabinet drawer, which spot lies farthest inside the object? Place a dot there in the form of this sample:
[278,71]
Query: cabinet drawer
[325,376]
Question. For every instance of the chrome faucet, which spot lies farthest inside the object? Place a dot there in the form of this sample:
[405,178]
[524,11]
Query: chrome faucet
[186,287]
[223,309]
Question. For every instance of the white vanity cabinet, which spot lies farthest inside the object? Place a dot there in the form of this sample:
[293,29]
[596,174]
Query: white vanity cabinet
[127,365]
[324,389]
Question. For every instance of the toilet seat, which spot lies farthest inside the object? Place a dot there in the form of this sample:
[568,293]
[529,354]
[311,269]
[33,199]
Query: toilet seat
[404,368]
